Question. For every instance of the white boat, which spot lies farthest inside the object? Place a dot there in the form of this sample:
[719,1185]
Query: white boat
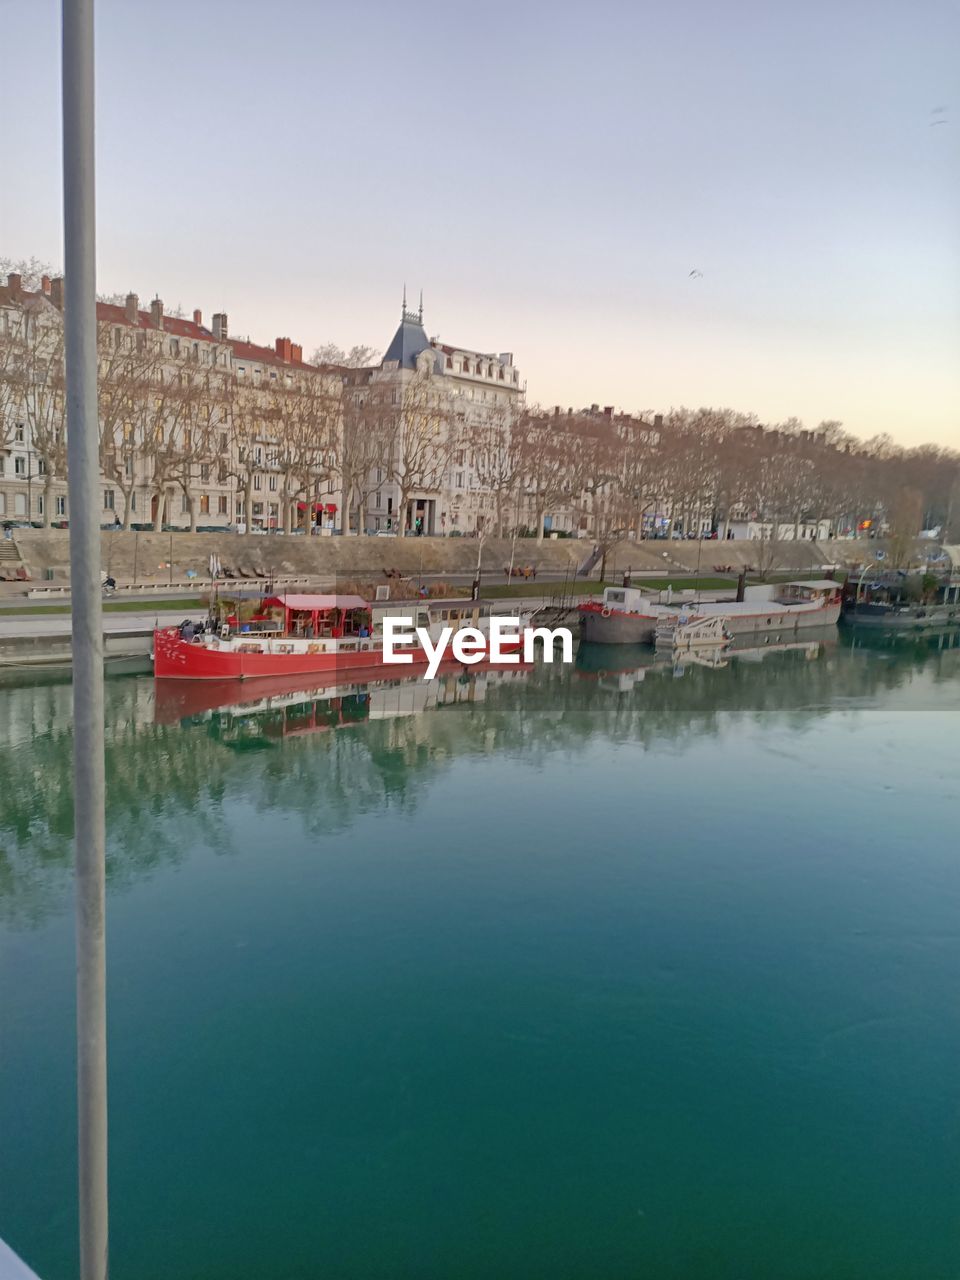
[629,615]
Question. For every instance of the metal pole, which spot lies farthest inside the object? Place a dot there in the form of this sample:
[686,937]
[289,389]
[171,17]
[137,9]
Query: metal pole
[80,335]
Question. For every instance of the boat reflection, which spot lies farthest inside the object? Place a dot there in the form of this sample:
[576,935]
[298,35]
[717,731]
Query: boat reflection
[620,667]
[260,713]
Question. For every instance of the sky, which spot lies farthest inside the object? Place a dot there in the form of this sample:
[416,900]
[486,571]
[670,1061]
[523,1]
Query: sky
[549,174]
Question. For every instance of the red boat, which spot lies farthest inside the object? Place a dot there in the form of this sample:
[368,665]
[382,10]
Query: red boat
[297,634]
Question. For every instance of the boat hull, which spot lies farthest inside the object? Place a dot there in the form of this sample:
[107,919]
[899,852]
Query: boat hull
[611,627]
[616,628]
[177,659]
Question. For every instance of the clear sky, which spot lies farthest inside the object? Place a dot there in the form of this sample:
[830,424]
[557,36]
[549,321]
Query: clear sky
[549,174]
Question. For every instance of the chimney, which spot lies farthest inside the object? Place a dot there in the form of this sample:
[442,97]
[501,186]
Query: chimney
[14,282]
[296,353]
[594,408]
[132,308]
[156,313]
[608,410]
[220,326]
[45,285]
[658,419]
[56,292]
[198,319]
[283,349]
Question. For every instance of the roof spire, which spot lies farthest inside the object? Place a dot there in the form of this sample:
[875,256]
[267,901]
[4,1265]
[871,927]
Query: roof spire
[403,310]
[421,306]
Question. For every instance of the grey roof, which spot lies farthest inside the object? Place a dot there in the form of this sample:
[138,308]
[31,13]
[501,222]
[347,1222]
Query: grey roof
[409,340]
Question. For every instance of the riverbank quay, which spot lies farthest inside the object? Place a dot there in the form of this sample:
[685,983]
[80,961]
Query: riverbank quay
[160,559]
[41,636]
[47,641]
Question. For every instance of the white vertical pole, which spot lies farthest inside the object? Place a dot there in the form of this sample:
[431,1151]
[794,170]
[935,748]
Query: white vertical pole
[80,334]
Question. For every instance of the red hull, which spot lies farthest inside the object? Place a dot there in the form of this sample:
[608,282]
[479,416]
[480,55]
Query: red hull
[177,659]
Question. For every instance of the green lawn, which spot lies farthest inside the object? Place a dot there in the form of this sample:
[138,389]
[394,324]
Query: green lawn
[591,587]
[146,604]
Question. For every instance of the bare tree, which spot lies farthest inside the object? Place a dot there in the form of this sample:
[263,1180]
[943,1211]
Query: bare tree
[421,439]
[358,357]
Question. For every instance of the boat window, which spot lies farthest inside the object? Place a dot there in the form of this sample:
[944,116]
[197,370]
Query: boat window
[616,597]
[444,614]
[423,619]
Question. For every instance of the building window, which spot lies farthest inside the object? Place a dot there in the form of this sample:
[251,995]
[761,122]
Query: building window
[19,504]
[449,362]
[61,506]
[184,504]
[273,484]
[459,479]
[19,466]
[128,468]
[109,500]
[204,504]
[258,508]
[222,507]
[133,502]
[258,481]
[223,442]
[19,434]
[204,473]
[41,467]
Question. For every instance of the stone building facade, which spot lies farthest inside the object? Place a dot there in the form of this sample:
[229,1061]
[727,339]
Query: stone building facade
[198,429]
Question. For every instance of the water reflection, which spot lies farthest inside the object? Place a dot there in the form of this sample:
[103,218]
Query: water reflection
[194,751]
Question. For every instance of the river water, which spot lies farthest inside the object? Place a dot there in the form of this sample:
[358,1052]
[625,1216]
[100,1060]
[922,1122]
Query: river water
[613,971]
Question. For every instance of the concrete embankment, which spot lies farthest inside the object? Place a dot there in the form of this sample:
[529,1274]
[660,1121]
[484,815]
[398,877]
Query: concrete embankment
[34,641]
[156,558]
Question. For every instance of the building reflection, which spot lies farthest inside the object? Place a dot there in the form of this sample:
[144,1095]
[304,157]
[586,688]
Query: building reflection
[178,761]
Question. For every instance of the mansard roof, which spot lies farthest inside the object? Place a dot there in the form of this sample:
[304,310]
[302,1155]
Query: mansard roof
[409,340]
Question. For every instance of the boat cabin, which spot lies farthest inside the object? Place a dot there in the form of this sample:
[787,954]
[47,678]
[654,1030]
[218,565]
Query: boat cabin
[896,588]
[435,614]
[312,617]
[821,590]
[626,600]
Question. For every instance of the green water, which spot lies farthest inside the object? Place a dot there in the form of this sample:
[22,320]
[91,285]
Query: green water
[569,976]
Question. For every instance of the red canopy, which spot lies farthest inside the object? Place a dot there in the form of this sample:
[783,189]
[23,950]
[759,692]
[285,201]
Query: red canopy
[316,604]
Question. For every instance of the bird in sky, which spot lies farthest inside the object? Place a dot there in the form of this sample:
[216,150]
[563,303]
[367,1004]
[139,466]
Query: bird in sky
[941,112]
[695,274]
